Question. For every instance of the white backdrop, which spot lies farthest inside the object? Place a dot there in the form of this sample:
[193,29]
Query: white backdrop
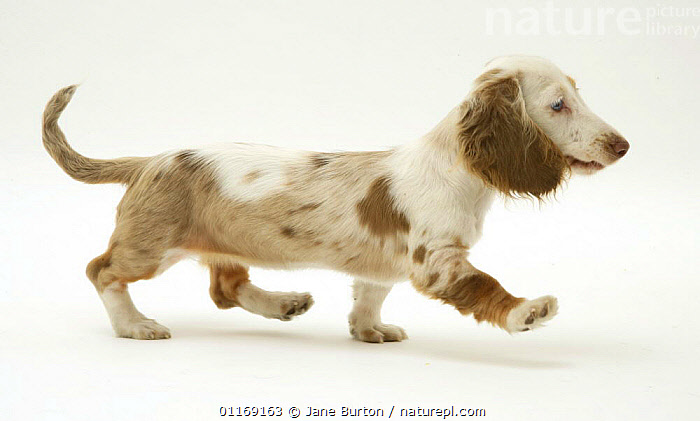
[617,248]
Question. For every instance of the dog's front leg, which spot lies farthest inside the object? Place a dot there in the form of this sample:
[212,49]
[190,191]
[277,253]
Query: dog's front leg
[446,274]
[365,320]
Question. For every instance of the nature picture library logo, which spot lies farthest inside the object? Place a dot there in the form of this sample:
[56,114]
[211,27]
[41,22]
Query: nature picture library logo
[660,20]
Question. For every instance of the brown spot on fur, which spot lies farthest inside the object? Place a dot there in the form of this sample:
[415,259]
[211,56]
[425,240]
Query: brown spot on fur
[478,294]
[502,145]
[402,249]
[225,281]
[321,159]
[306,236]
[251,176]
[188,157]
[419,254]
[432,278]
[307,207]
[572,81]
[187,161]
[350,260]
[378,213]
[481,295]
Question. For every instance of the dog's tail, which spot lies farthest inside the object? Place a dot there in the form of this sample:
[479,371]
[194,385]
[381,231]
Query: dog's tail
[81,168]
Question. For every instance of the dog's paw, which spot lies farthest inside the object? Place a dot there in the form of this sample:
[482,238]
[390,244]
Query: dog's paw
[531,314]
[294,304]
[378,333]
[144,329]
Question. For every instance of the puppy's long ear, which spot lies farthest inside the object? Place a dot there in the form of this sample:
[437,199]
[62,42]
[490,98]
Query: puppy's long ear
[501,143]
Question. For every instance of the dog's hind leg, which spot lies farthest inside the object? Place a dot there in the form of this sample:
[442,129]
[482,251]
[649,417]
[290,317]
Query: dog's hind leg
[111,273]
[231,287]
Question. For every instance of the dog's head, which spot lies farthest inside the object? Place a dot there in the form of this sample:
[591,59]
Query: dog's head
[524,126]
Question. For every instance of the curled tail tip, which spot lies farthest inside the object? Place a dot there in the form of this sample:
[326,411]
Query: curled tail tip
[66,93]
[58,103]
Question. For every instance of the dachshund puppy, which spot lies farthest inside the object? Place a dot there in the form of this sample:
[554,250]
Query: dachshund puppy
[412,212]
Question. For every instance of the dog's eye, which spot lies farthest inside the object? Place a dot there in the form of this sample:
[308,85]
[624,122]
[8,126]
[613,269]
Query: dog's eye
[557,106]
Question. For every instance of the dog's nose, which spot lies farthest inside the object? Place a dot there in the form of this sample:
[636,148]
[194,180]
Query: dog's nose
[618,145]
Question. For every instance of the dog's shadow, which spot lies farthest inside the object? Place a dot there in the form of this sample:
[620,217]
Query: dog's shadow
[504,351]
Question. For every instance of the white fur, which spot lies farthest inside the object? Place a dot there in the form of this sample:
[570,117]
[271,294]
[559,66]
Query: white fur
[518,317]
[234,161]
[365,319]
[126,320]
[273,305]
[171,257]
[427,174]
